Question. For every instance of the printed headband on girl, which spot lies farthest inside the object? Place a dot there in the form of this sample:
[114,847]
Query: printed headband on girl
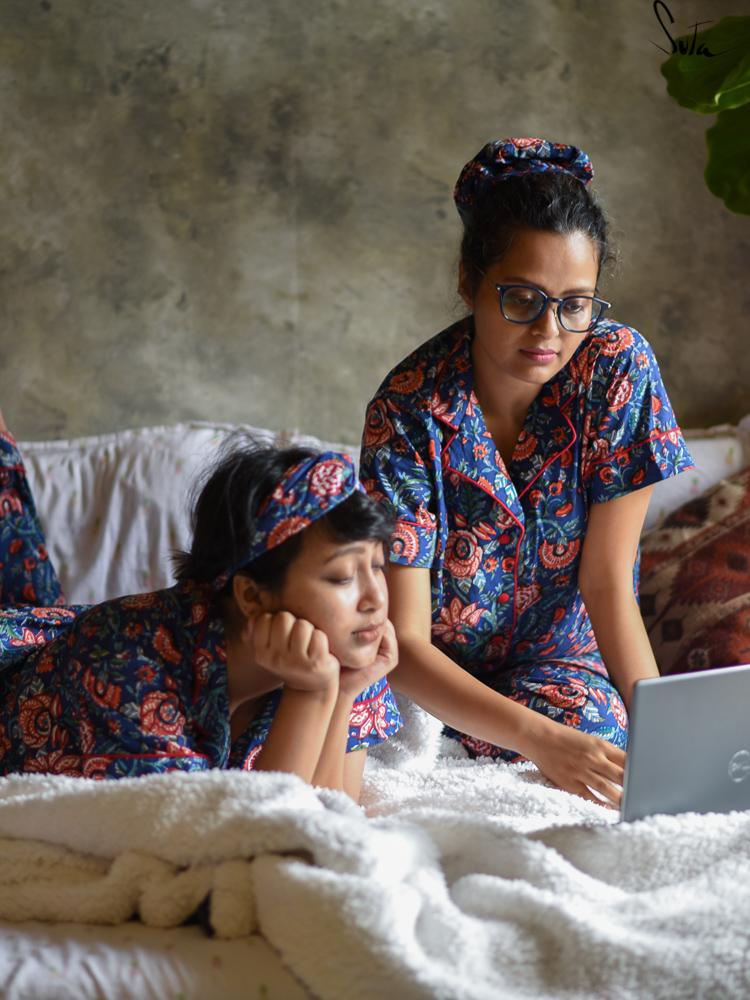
[305,493]
[505,158]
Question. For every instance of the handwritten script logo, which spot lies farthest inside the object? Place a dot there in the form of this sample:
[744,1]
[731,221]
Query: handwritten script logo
[686,48]
[739,766]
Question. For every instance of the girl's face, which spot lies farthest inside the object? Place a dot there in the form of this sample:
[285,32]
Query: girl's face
[533,353]
[341,589]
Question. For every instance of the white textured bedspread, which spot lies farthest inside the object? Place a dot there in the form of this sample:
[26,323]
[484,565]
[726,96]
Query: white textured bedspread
[466,879]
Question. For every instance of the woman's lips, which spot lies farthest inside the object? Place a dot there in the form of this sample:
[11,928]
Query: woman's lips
[371,633]
[538,356]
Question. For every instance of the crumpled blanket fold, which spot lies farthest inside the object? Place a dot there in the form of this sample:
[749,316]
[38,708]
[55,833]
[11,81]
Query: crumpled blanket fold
[464,880]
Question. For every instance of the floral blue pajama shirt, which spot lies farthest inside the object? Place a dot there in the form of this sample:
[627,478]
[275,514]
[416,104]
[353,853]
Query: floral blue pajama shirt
[132,686]
[503,545]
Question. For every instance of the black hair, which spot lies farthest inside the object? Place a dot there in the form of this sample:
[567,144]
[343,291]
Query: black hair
[224,512]
[553,202]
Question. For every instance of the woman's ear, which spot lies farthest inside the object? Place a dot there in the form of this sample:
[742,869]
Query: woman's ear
[464,286]
[250,599]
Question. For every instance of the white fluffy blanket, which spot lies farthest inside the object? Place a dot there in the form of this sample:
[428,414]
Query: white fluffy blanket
[467,880]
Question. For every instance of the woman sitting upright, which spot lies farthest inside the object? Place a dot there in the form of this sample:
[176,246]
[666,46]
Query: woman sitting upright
[518,449]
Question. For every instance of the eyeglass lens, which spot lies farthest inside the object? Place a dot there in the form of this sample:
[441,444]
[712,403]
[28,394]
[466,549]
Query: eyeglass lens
[525,305]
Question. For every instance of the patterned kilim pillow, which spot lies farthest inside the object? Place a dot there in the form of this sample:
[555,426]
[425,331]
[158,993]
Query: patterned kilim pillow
[695,581]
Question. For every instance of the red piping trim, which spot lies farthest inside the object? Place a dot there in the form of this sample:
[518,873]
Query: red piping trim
[416,524]
[489,493]
[368,701]
[468,479]
[655,436]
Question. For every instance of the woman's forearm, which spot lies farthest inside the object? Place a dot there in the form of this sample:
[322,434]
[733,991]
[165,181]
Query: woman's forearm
[621,636]
[329,771]
[447,691]
[298,733]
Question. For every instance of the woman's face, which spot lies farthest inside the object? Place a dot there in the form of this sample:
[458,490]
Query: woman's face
[341,589]
[533,353]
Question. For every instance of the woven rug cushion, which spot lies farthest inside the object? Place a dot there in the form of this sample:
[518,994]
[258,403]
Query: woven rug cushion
[695,581]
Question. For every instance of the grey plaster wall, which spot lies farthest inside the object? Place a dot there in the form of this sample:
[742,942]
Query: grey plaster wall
[241,210]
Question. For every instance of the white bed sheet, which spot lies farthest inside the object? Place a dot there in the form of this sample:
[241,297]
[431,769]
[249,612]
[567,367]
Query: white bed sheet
[40,961]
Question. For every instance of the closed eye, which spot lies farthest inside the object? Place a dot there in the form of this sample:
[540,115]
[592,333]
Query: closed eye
[575,306]
[521,298]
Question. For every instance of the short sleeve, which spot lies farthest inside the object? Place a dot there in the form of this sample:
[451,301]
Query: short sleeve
[395,467]
[631,435]
[249,744]
[374,717]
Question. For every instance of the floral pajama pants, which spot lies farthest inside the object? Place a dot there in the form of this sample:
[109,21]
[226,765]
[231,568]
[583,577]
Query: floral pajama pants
[572,695]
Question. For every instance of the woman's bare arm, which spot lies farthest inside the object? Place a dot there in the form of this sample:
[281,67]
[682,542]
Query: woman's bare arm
[605,579]
[329,770]
[435,682]
[575,761]
[298,732]
[298,655]
[337,768]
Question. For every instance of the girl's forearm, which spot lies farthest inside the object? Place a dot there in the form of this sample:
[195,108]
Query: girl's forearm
[330,768]
[298,733]
[621,636]
[447,691]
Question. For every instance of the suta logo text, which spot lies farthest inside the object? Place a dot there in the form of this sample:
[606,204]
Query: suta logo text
[690,47]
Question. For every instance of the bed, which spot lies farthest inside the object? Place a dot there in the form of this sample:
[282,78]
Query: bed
[459,879]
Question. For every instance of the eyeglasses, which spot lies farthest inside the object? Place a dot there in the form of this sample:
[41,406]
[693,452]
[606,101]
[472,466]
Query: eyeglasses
[574,313]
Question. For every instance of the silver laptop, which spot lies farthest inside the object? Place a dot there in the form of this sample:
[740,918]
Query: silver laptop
[689,747]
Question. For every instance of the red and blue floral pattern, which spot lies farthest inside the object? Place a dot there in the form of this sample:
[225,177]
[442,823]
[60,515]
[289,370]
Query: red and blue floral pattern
[132,686]
[503,158]
[504,545]
[306,492]
[580,698]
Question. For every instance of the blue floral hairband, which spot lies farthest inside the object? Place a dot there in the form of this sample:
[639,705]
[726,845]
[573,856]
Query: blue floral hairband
[505,158]
[306,492]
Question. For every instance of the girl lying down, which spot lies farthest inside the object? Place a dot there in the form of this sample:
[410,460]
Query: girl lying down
[270,652]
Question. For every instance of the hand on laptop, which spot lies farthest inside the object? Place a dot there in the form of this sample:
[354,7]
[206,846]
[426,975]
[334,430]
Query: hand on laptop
[580,763]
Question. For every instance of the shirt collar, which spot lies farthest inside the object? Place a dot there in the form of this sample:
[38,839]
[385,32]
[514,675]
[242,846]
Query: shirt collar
[469,450]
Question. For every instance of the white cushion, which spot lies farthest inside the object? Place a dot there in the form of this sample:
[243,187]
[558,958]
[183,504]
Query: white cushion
[114,507]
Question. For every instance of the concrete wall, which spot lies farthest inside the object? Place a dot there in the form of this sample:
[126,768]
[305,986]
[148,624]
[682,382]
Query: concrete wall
[241,210]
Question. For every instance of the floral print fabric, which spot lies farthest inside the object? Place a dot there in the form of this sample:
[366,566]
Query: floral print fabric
[504,545]
[25,569]
[580,698]
[307,492]
[131,686]
[504,158]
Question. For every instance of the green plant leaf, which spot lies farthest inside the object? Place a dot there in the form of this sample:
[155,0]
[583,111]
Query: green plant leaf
[728,167]
[719,82]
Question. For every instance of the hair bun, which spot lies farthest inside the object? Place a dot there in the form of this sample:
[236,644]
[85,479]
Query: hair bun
[505,158]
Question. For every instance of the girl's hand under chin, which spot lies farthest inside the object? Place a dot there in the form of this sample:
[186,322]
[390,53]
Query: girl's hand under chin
[352,681]
[296,652]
